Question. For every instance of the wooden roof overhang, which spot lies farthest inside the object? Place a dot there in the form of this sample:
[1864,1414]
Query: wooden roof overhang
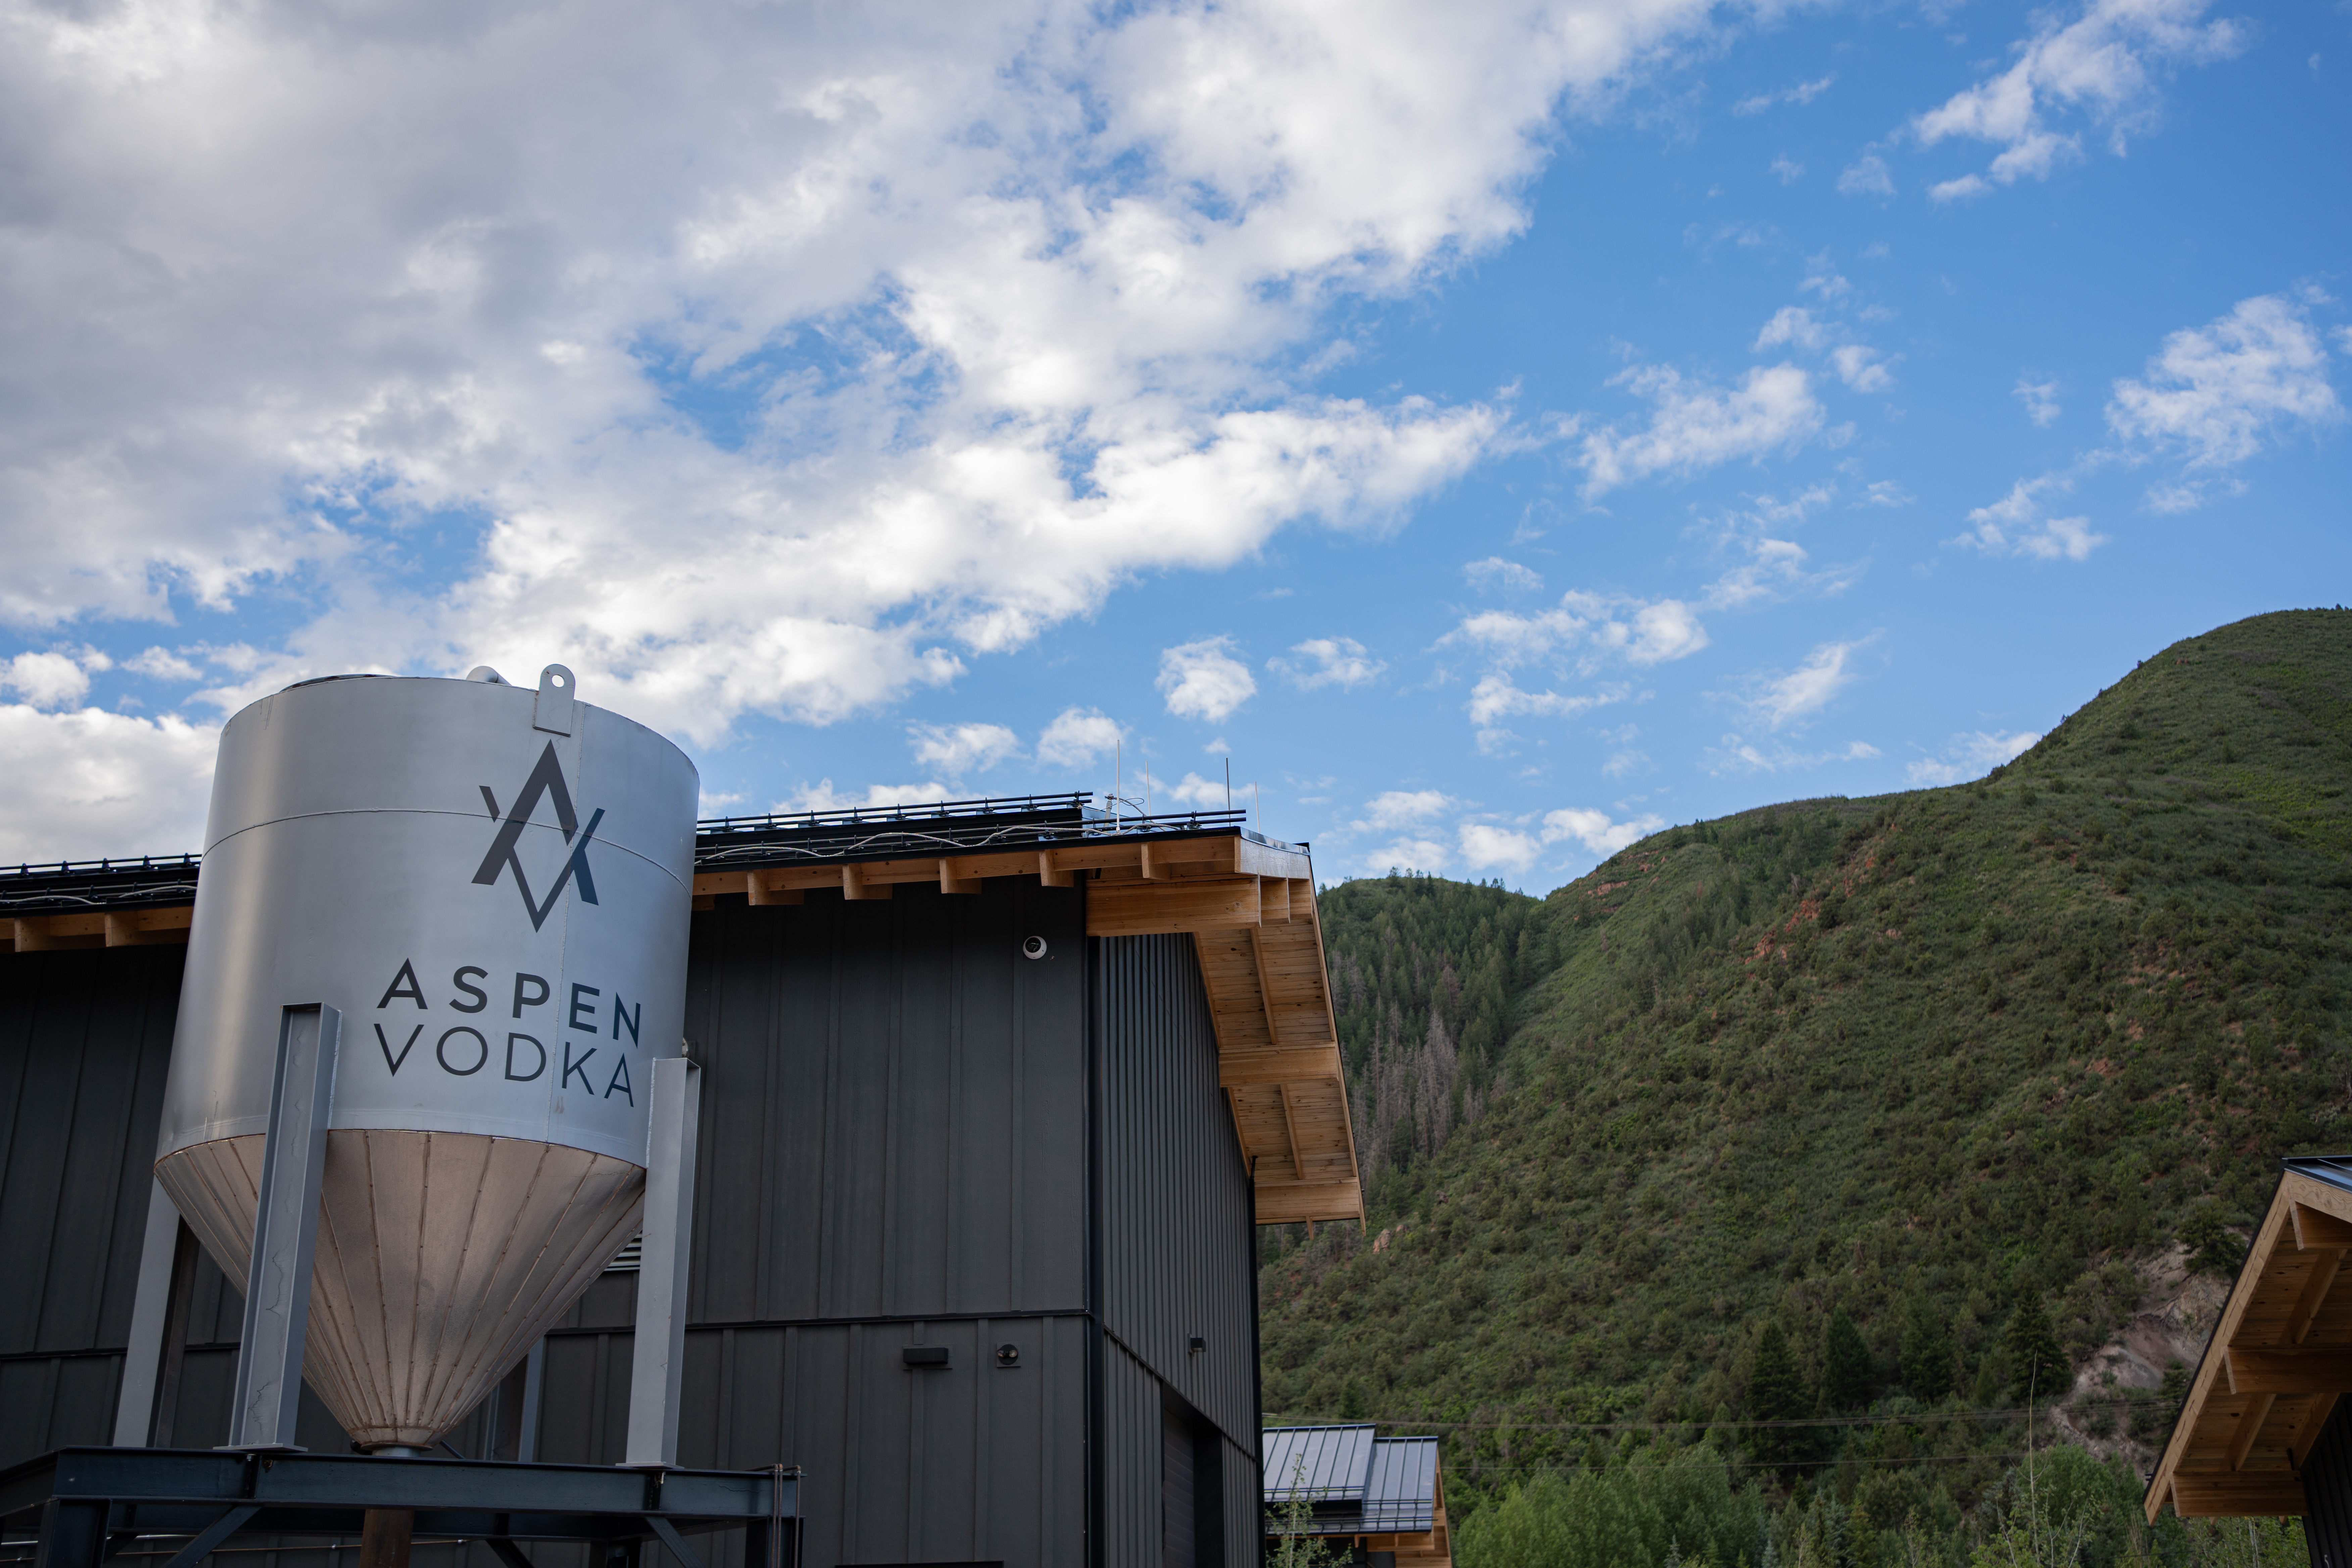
[2279,1358]
[1248,904]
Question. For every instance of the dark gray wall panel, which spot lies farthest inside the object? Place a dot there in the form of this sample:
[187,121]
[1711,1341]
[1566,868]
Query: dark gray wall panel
[974,1462]
[895,1108]
[1129,1439]
[1177,1224]
[1244,1505]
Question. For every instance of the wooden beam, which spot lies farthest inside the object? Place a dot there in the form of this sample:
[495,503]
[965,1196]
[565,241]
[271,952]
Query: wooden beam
[2319,1369]
[2262,1494]
[761,888]
[1290,1125]
[1143,862]
[1049,871]
[1288,1203]
[854,884]
[1273,900]
[1264,988]
[2321,1280]
[2314,1229]
[951,883]
[2250,1426]
[1292,1064]
[1151,908]
[2305,1434]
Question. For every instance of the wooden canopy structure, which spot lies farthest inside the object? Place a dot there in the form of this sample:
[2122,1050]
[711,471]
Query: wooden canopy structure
[1247,902]
[2278,1364]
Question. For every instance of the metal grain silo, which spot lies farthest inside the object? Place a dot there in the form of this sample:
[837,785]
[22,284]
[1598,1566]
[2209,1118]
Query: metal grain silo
[492,886]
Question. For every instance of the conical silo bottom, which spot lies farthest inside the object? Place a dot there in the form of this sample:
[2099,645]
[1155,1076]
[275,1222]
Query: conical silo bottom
[442,1256]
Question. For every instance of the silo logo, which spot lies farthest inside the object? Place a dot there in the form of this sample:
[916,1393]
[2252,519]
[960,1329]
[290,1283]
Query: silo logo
[546,779]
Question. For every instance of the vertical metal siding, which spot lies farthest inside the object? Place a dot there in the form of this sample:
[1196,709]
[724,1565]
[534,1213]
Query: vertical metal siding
[85,1041]
[1176,1225]
[1130,1436]
[2327,1492]
[1245,1523]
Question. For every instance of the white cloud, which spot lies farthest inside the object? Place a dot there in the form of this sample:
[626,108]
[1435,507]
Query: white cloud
[161,664]
[1208,794]
[1696,425]
[1410,855]
[1808,688]
[2040,400]
[1485,846]
[1737,755]
[822,797]
[1603,626]
[962,748]
[1203,680]
[2015,525]
[1790,324]
[92,784]
[1862,368]
[1495,574]
[1972,756]
[1967,188]
[2102,64]
[1866,176]
[1787,169]
[2214,393]
[1075,738]
[1497,697]
[46,679]
[1595,830]
[493,265]
[1342,662]
[1802,94]
[1396,808]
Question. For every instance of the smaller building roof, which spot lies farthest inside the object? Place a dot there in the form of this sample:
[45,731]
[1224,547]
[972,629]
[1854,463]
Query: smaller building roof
[1326,1464]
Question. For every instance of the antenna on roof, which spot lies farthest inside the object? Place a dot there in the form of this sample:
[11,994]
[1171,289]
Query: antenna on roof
[1229,784]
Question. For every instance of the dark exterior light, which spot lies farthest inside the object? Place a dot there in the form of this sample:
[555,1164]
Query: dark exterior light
[1008,1354]
[924,1357]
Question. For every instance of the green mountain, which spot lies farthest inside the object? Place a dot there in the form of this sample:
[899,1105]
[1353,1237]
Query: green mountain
[1887,1115]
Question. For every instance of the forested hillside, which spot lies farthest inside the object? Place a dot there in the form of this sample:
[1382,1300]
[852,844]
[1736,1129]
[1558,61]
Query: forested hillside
[1886,1114]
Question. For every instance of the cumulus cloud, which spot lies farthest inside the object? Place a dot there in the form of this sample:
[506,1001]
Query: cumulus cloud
[90,784]
[2040,400]
[1596,830]
[161,664]
[2101,65]
[1863,368]
[1787,169]
[46,679]
[1971,756]
[1495,574]
[1076,737]
[822,797]
[1805,690]
[1866,176]
[1203,679]
[1738,755]
[1410,854]
[1395,808]
[962,748]
[2017,525]
[1319,662]
[1696,425]
[2213,394]
[1485,846]
[985,296]
[1599,628]
[1790,325]
[1208,794]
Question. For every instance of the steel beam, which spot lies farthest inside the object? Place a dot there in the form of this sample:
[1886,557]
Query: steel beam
[664,1273]
[268,1390]
[150,1306]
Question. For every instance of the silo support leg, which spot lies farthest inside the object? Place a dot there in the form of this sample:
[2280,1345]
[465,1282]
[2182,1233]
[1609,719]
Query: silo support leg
[285,1232]
[151,1304]
[73,1534]
[385,1537]
[658,1358]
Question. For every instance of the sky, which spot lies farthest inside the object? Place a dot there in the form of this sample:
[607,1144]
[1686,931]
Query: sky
[1487,432]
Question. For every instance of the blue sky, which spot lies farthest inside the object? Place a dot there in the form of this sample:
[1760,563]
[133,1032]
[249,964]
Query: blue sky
[1498,431]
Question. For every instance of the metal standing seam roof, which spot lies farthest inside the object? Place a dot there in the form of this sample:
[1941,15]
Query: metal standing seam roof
[1327,1464]
[1402,1496]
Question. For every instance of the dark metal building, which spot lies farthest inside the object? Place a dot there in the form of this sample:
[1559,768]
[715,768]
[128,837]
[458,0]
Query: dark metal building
[994,1094]
[1379,1498]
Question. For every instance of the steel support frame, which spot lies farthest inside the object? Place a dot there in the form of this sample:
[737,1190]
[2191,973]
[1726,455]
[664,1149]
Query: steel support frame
[73,1500]
[664,1269]
[269,1390]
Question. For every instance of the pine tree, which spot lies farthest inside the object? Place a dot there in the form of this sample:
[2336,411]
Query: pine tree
[1846,1372]
[1776,1392]
[2038,1367]
[1926,1353]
